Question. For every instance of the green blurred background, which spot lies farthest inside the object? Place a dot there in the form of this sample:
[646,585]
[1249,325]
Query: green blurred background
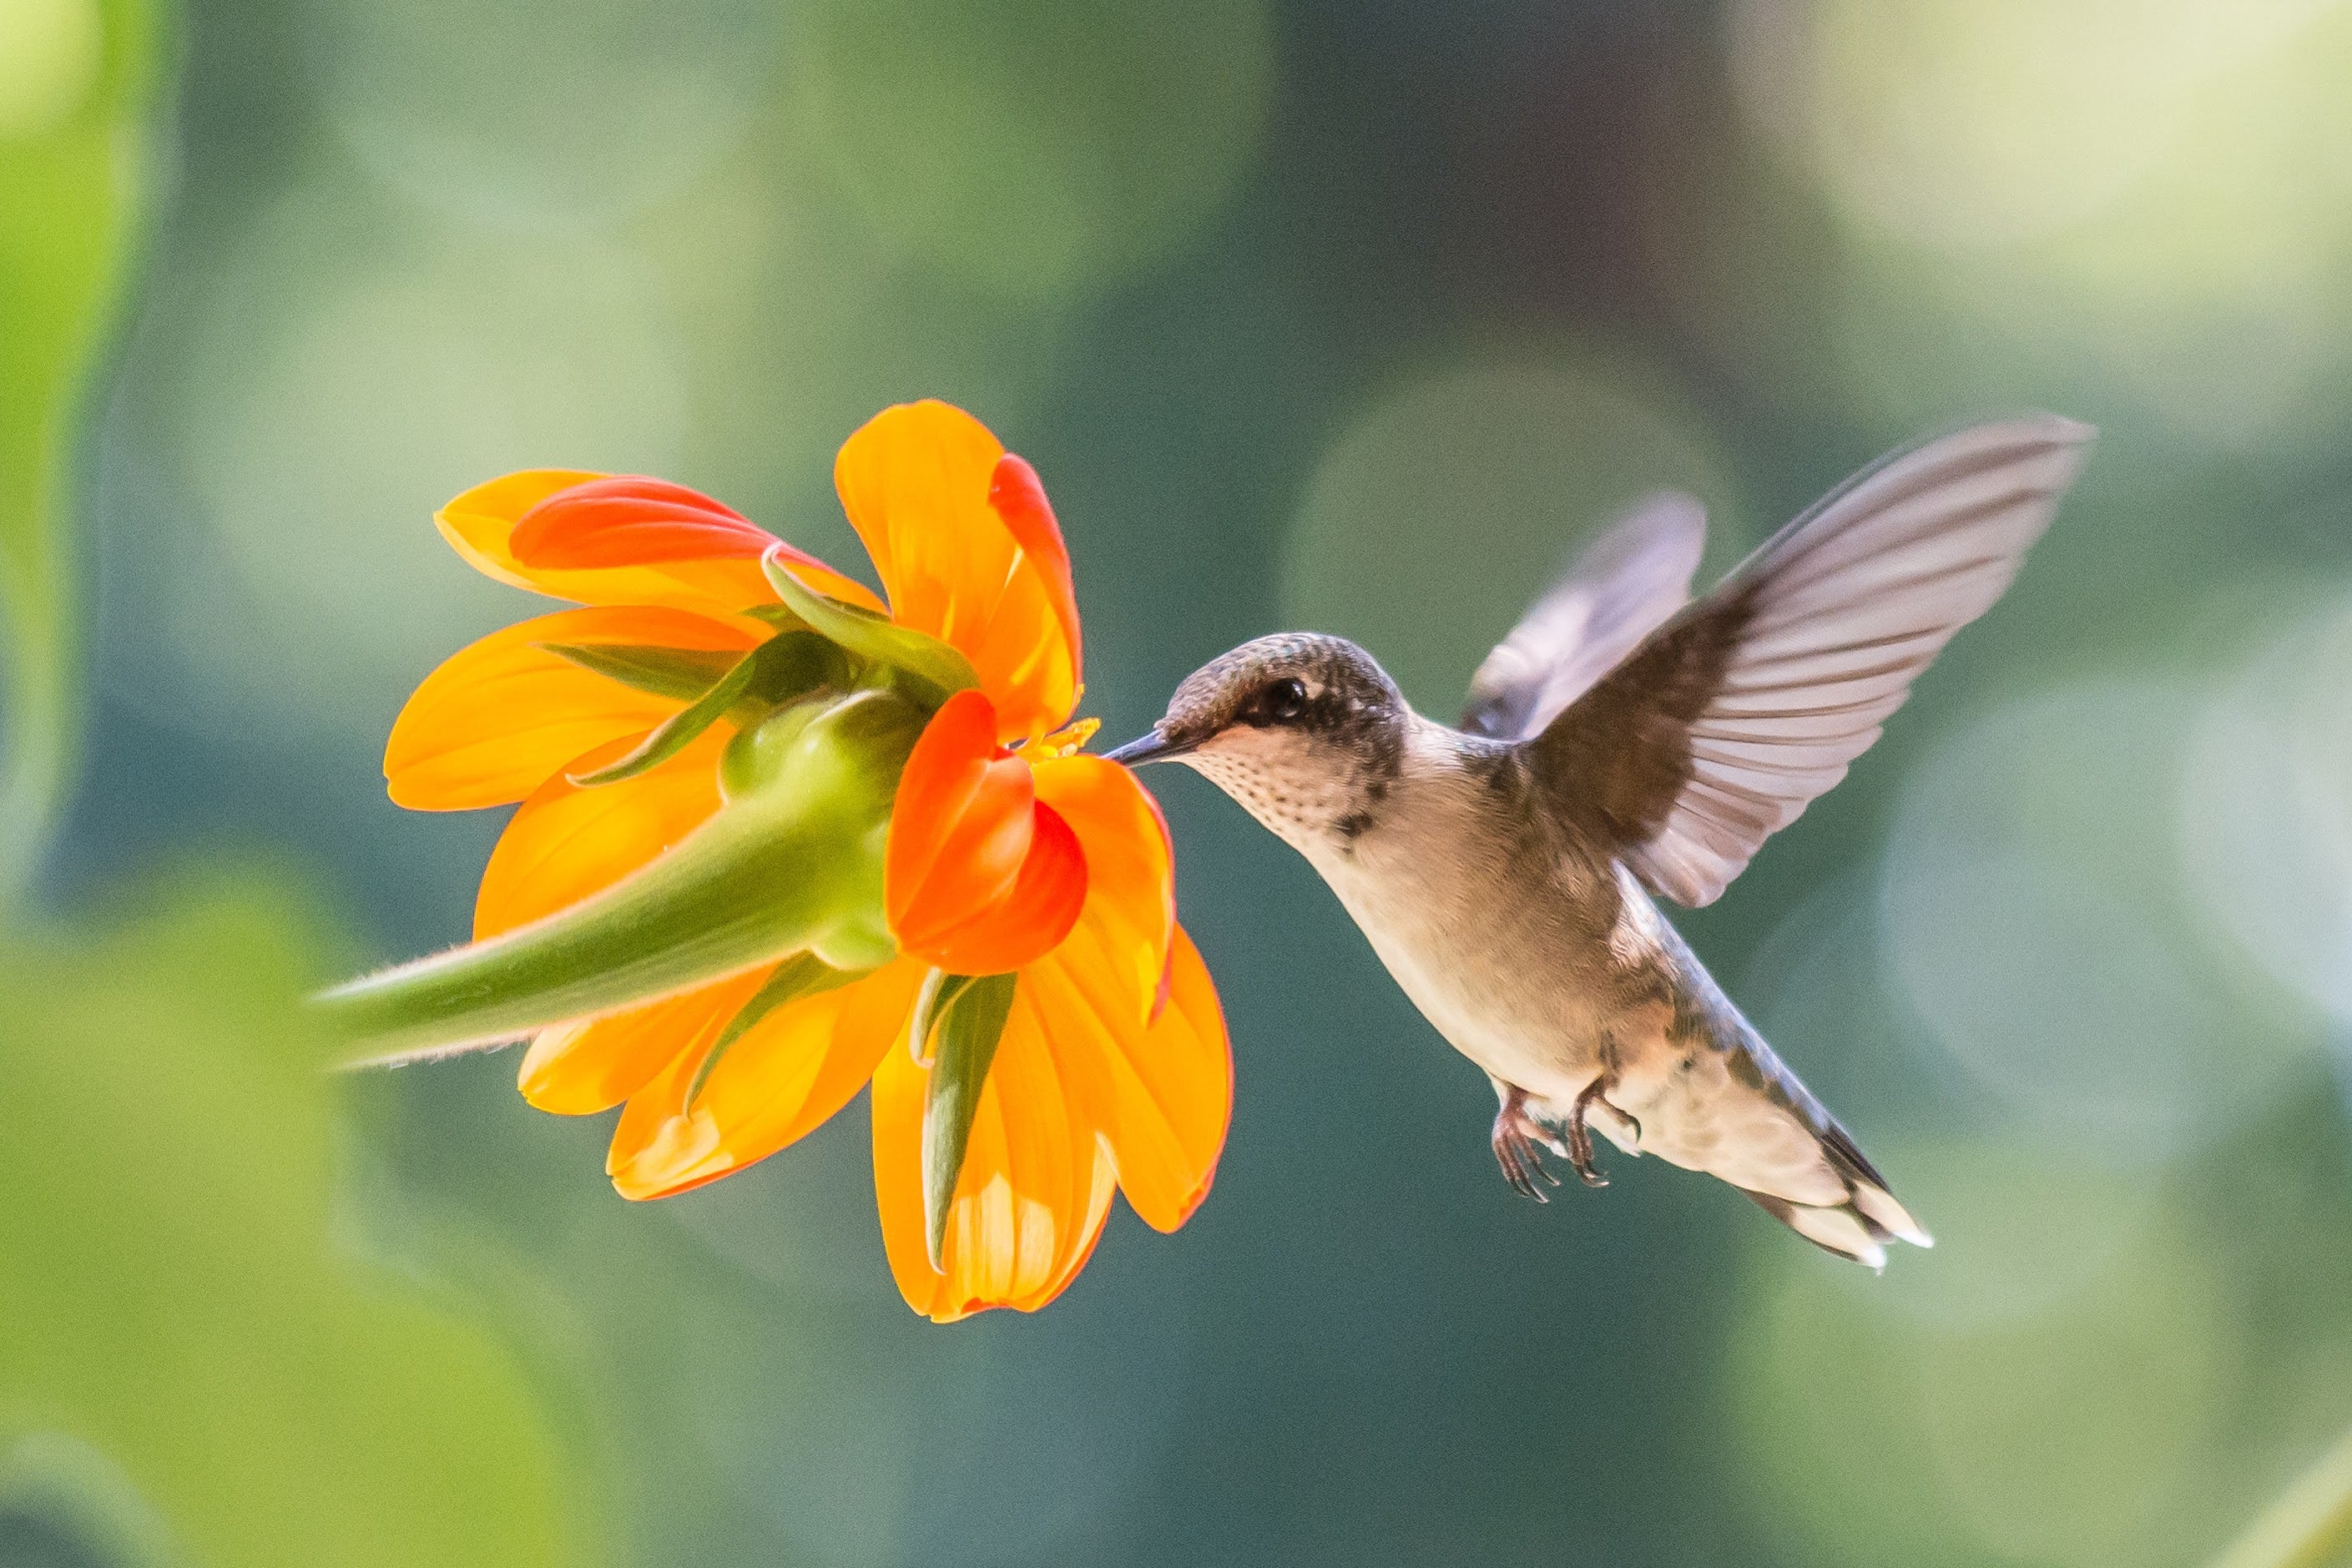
[1353,317]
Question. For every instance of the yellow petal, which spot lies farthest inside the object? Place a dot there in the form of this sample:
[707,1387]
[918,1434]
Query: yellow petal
[780,1081]
[917,482]
[566,842]
[497,718]
[1130,908]
[1162,1093]
[1031,1200]
[578,1069]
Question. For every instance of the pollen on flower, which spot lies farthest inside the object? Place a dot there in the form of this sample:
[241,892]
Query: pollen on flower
[1067,741]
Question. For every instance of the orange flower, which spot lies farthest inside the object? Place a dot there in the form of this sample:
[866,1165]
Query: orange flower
[1010,854]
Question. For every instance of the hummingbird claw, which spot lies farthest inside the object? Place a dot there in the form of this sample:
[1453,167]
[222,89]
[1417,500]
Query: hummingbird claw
[1580,1136]
[1517,1140]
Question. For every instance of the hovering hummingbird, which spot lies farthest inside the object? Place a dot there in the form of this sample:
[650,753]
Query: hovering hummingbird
[1625,741]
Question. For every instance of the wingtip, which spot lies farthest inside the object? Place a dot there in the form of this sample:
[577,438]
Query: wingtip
[2058,427]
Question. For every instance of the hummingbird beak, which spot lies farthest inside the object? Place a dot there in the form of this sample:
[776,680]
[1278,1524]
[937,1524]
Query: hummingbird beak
[1149,747]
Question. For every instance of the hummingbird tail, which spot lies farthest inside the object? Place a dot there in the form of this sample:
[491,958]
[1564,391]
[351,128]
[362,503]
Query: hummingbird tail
[1858,1228]
[1729,1106]
[1870,1218]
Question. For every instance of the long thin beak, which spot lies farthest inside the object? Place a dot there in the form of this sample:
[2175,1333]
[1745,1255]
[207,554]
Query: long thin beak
[1150,747]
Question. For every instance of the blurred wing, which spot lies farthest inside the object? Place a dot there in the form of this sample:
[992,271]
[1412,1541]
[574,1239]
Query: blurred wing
[1729,720]
[1625,583]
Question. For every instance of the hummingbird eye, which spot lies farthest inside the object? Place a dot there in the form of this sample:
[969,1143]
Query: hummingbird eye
[1283,700]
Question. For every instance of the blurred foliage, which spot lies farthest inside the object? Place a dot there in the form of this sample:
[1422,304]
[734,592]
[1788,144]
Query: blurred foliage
[1033,147]
[77,89]
[175,1297]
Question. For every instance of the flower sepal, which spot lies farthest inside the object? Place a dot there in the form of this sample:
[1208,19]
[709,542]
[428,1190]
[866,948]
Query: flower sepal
[683,674]
[787,666]
[939,668]
[962,1019]
[793,861]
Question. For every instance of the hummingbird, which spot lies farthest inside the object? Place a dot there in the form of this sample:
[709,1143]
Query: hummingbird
[1626,743]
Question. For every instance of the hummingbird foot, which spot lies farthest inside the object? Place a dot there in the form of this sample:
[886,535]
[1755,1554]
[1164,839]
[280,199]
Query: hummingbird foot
[1519,1139]
[1580,1136]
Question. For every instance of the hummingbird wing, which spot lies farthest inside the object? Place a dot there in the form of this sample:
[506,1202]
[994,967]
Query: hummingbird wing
[1727,720]
[1619,588]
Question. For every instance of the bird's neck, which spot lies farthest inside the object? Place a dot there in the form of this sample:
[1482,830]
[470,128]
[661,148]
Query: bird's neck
[1423,783]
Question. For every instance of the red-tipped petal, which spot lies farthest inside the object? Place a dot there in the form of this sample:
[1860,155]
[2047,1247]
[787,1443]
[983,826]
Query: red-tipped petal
[979,876]
[481,524]
[957,784]
[631,520]
[921,483]
[1032,920]
[1018,497]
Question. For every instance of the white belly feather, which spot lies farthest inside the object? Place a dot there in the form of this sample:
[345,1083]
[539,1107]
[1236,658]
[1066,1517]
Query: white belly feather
[1473,945]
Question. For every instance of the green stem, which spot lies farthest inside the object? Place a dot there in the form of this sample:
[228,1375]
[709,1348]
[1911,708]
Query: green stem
[793,864]
[2309,1525]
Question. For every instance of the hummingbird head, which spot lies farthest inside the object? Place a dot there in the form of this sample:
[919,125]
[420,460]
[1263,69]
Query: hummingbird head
[1305,731]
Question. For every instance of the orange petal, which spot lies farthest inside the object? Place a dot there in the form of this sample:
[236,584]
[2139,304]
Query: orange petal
[777,1083]
[499,717]
[1130,907]
[630,520]
[955,771]
[480,525]
[578,1069]
[969,553]
[655,1127]
[1162,1093]
[1018,497]
[566,842]
[1033,1196]
[979,877]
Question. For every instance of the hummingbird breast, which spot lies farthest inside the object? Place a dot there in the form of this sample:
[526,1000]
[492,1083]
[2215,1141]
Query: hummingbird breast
[1500,924]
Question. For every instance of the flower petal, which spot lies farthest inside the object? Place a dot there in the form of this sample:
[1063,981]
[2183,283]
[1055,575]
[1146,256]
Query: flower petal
[566,842]
[779,1082]
[956,775]
[1018,497]
[654,1128]
[1130,906]
[578,1069]
[979,876]
[969,553]
[1162,1093]
[628,519]
[499,717]
[1034,1190]
[480,525]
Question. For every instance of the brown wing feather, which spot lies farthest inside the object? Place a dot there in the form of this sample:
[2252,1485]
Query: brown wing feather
[1726,721]
[1623,585]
